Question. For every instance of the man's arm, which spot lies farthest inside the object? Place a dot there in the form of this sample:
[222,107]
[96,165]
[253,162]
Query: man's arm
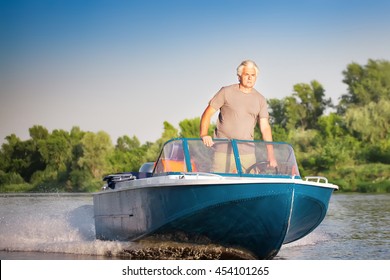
[204,126]
[265,129]
[266,133]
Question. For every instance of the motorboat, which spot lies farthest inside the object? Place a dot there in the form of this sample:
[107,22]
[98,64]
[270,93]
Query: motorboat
[226,195]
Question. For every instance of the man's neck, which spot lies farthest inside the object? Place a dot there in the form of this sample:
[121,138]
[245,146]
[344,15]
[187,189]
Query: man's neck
[244,89]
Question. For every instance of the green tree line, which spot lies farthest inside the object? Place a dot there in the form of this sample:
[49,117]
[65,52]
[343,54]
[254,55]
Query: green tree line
[347,142]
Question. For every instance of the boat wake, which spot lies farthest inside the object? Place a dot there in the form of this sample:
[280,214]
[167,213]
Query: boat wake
[50,225]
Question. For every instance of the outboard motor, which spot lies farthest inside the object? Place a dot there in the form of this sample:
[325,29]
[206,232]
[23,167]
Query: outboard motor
[115,178]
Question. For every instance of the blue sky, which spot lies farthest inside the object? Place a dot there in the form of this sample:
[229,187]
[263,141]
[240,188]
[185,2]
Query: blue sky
[127,66]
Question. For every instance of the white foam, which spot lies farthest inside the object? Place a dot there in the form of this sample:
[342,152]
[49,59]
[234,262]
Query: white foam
[55,225]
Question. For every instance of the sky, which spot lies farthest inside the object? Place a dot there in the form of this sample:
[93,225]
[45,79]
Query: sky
[126,66]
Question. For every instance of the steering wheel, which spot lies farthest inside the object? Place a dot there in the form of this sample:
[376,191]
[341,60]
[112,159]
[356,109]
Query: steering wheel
[260,167]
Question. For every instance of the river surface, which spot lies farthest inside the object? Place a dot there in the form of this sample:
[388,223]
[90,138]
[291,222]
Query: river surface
[61,226]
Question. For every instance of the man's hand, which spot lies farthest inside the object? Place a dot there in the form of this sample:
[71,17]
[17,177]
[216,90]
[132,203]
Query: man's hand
[207,141]
[273,162]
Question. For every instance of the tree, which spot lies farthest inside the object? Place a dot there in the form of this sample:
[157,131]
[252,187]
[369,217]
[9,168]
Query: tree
[368,83]
[21,157]
[75,137]
[370,123]
[278,114]
[7,151]
[38,132]
[278,120]
[189,128]
[9,169]
[306,105]
[126,144]
[56,150]
[169,132]
[128,154]
[332,127]
[96,149]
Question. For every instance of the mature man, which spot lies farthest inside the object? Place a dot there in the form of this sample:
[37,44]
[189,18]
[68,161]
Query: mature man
[241,107]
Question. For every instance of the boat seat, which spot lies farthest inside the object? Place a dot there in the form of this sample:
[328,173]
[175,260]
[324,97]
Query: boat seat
[173,160]
[171,165]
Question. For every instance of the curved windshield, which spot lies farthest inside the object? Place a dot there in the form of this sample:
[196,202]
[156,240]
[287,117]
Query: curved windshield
[226,157]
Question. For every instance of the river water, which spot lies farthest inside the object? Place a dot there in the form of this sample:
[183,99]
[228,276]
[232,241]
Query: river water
[61,226]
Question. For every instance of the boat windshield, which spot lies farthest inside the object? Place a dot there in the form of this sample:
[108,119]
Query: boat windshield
[235,157]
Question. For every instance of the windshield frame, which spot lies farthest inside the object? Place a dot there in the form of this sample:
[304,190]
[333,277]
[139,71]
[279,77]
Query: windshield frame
[189,155]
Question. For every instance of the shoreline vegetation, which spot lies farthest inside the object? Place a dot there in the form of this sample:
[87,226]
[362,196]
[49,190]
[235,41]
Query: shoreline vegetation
[350,145]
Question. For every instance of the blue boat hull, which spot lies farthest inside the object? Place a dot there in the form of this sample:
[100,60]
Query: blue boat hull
[256,217]
[310,205]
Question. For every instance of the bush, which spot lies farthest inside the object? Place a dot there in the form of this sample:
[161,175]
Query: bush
[15,188]
[10,178]
[80,180]
[374,177]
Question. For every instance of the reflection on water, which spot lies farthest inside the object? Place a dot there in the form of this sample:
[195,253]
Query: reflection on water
[62,227]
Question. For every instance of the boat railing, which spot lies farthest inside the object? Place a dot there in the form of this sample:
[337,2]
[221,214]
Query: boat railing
[317,179]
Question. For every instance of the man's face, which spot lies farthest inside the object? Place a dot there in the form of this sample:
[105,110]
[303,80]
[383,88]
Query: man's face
[248,77]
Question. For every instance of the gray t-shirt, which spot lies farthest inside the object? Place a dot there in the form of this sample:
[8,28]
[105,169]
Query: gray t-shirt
[239,112]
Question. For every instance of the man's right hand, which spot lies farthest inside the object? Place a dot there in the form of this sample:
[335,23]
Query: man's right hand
[207,141]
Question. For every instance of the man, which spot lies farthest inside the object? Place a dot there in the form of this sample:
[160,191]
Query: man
[241,107]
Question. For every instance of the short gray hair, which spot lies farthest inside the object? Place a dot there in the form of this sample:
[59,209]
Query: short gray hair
[247,63]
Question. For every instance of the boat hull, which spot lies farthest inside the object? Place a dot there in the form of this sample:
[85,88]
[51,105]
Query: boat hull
[253,217]
[310,205]
[256,217]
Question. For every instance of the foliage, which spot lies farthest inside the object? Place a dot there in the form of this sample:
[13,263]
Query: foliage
[371,177]
[369,122]
[16,188]
[96,148]
[278,114]
[190,128]
[350,146]
[10,178]
[306,105]
[128,154]
[369,83]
